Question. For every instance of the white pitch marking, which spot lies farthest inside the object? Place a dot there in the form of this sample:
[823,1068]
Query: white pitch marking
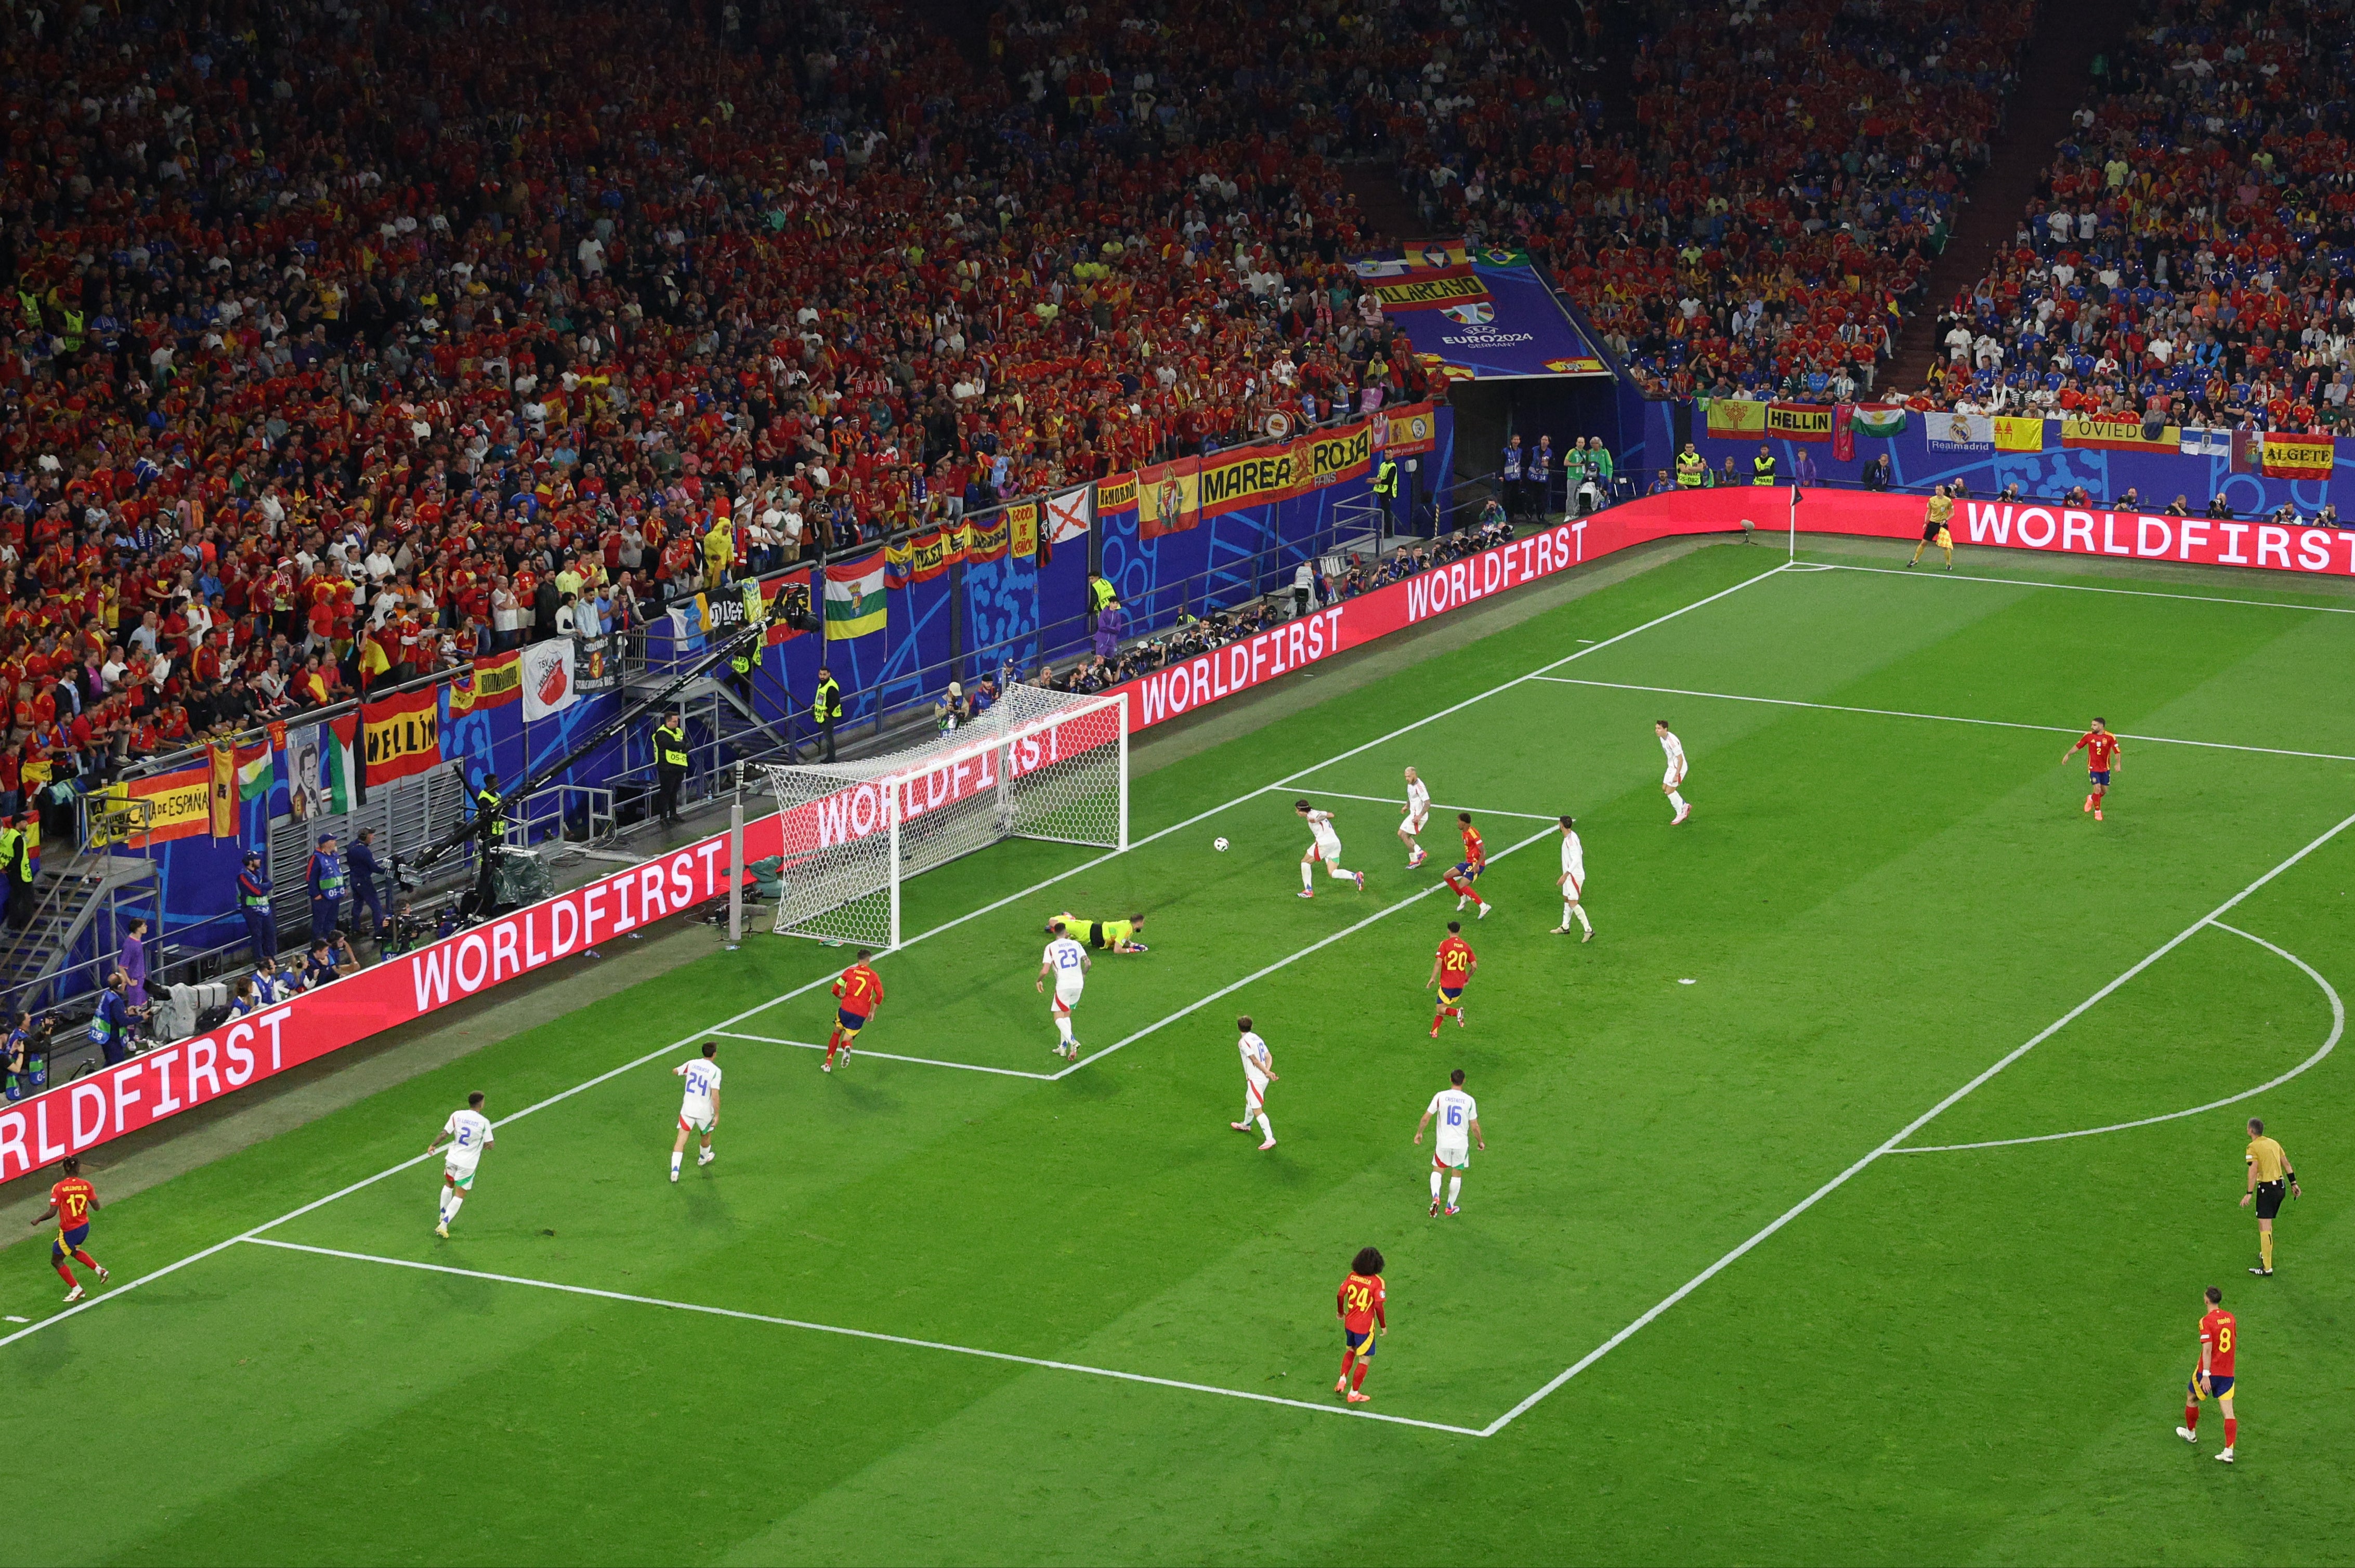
[888,1057]
[2086,588]
[868,1334]
[1435,805]
[2337,1028]
[1230,989]
[1941,718]
[2213,916]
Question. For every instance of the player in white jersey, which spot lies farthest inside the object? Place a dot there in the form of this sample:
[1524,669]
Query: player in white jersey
[1417,811]
[469,1132]
[1672,780]
[1459,1127]
[1572,882]
[1067,962]
[1325,844]
[699,1111]
[1259,1071]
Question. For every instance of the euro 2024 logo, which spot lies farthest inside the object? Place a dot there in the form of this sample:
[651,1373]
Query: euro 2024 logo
[1473,314]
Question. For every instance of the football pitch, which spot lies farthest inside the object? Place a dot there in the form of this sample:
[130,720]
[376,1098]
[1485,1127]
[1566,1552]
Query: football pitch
[1848,1198]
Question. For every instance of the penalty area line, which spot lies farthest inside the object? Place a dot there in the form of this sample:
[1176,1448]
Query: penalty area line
[1889,1145]
[888,1055]
[868,1334]
[1435,805]
[2085,587]
[1229,990]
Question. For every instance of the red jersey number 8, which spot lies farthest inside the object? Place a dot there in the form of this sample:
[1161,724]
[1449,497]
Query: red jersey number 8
[2225,1340]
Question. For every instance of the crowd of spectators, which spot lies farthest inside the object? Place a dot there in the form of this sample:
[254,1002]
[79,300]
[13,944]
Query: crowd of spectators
[352,338]
[2189,259]
[1791,172]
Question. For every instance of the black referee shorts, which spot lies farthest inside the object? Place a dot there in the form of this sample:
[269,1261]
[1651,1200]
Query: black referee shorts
[2269,1198]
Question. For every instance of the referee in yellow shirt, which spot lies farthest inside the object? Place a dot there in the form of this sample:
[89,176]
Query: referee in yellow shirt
[2270,1176]
[1936,520]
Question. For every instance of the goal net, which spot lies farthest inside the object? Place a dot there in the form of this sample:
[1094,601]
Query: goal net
[1036,764]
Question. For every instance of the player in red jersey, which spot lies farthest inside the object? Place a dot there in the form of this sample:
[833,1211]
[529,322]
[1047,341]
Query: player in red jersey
[1451,967]
[72,1203]
[860,993]
[2101,749]
[2220,1339]
[1468,869]
[1359,1303]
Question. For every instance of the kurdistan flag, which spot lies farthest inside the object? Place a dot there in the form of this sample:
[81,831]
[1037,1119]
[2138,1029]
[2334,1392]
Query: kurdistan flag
[254,772]
[1879,418]
[854,605]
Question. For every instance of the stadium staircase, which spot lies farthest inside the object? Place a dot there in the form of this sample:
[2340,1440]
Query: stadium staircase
[2059,65]
[66,902]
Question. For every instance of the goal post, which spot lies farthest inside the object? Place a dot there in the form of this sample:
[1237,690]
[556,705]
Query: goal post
[1038,764]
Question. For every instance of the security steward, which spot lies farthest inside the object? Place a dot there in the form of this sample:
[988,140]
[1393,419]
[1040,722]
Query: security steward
[1762,467]
[825,709]
[1692,468]
[23,871]
[670,765]
[490,822]
[1386,483]
[253,904]
[327,881]
[748,651]
[12,845]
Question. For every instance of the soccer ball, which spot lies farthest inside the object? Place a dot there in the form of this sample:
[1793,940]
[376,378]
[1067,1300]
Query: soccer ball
[1219,844]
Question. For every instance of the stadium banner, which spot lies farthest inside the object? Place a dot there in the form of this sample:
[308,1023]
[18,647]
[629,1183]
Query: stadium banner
[1167,498]
[548,688]
[899,563]
[1248,476]
[2016,434]
[1022,530]
[854,605]
[179,804]
[1484,321]
[1404,431]
[491,683]
[222,764]
[1116,494]
[1069,515]
[2119,436]
[985,541]
[929,556]
[1347,454]
[70,1118]
[596,665]
[1734,417]
[2298,457]
[1799,421]
[1948,431]
[403,735]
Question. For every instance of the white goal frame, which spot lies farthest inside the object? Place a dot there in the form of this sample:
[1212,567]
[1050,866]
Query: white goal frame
[1049,765]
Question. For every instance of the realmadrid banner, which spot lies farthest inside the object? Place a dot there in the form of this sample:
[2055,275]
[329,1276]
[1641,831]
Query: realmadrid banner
[1485,322]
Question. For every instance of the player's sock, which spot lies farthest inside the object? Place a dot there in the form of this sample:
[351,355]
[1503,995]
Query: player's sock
[441,1208]
[1264,1131]
[2192,1415]
[1580,910]
[457,1202]
[1357,1378]
[1434,1186]
[1063,1026]
[1349,1359]
[831,1042]
[2265,1250]
[1454,1190]
[1677,799]
[2232,1431]
[675,1155]
[1308,875]
[67,1274]
[84,1258]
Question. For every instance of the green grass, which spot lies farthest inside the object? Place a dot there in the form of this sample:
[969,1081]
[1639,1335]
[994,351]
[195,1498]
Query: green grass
[1969,1356]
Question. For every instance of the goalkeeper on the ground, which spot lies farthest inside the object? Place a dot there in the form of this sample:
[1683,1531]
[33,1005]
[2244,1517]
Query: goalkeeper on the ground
[1109,935]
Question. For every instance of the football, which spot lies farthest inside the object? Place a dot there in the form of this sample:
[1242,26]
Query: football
[1219,844]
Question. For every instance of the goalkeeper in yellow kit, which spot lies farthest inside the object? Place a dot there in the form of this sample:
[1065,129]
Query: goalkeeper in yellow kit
[1106,935]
